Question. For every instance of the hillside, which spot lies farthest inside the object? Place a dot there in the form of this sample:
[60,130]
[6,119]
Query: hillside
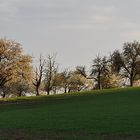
[107,114]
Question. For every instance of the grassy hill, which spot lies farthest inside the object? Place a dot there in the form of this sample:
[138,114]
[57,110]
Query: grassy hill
[94,115]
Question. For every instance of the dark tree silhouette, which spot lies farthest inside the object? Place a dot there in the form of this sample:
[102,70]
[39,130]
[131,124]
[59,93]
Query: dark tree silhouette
[39,71]
[99,69]
[127,63]
[51,69]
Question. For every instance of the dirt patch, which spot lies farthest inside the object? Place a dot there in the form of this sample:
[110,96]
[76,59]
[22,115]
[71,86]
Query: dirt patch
[10,134]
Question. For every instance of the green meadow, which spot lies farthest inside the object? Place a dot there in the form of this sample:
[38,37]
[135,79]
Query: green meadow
[93,115]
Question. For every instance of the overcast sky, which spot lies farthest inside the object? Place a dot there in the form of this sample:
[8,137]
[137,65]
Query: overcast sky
[77,30]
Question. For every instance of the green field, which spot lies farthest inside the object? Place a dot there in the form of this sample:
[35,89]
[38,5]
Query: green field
[94,115]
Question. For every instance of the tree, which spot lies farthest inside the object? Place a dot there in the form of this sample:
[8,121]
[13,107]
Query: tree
[99,69]
[82,71]
[14,65]
[99,72]
[39,71]
[64,77]
[76,82]
[57,81]
[127,63]
[20,87]
[51,70]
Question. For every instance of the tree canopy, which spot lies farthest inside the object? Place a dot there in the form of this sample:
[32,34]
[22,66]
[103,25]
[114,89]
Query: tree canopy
[15,66]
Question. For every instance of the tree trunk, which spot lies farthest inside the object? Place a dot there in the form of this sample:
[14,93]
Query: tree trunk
[99,83]
[131,82]
[131,79]
[37,91]
[48,92]
[69,90]
[65,89]
[3,95]
[20,93]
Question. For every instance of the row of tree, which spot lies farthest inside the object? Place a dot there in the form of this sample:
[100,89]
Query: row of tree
[48,78]
[18,75]
[119,66]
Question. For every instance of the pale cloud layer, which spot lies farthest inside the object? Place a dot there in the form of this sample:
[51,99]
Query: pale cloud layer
[77,30]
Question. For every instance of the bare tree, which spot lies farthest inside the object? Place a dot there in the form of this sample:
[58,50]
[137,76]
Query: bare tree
[65,75]
[127,63]
[99,69]
[82,71]
[39,71]
[50,72]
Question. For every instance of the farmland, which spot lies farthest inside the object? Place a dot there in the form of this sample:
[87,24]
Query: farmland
[106,114]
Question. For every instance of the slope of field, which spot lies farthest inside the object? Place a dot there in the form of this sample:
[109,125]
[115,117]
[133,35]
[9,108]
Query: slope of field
[107,114]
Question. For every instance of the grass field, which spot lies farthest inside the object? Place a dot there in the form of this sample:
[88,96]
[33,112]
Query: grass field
[94,115]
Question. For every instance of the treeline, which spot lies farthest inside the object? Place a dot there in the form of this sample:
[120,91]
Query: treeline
[18,75]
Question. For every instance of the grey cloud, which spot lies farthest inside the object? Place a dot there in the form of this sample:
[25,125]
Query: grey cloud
[91,26]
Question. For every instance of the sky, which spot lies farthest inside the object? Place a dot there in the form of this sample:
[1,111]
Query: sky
[76,30]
